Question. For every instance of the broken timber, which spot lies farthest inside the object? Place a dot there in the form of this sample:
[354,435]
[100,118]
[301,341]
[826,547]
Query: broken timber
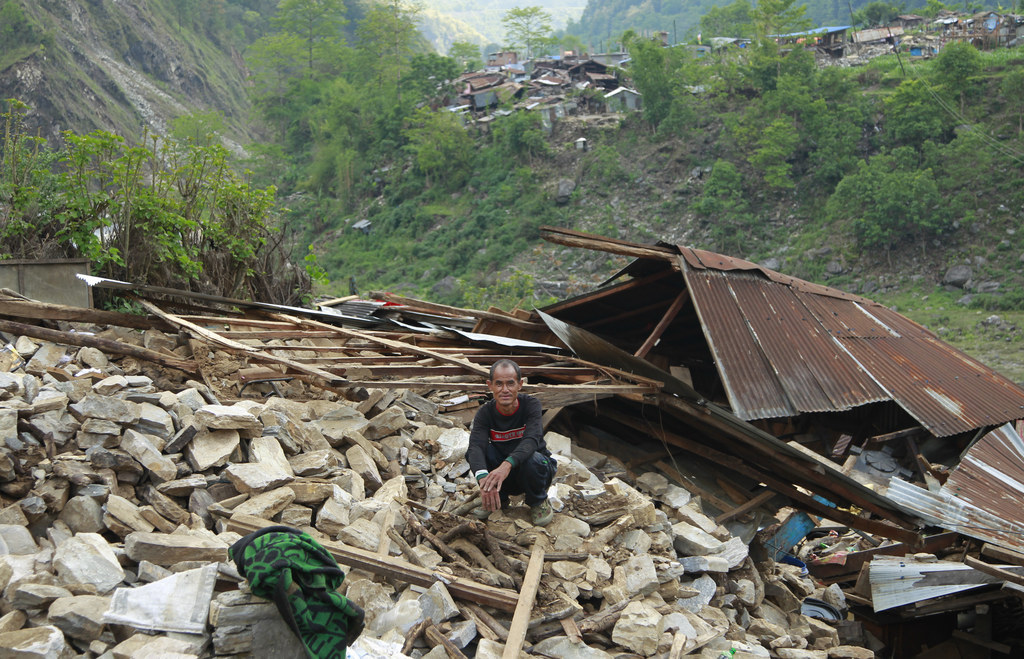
[395,568]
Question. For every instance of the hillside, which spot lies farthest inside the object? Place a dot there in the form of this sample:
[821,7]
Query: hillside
[123,67]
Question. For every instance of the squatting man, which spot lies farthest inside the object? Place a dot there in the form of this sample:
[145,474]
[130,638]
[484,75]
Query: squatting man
[507,452]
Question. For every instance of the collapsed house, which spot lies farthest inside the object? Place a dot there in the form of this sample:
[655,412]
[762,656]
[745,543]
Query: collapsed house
[720,429]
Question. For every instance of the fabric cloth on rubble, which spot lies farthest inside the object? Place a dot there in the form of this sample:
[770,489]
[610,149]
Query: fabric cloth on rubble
[290,568]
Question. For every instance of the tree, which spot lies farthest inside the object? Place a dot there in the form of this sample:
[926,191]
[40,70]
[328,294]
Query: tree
[1012,88]
[527,29]
[387,40]
[466,54]
[652,79]
[773,17]
[956,65]
[876,14]
[888,200]
[774,149]
[317,23]
[731,20]
[441,148]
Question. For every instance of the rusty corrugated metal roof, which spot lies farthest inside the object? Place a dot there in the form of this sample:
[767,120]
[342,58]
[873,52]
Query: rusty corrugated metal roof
[983,496]
[784,346]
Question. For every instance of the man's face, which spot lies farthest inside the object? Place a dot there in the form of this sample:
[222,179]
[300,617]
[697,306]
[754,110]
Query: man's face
[505,386]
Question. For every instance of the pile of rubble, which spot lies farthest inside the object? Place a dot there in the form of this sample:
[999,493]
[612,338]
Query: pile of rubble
[120,500]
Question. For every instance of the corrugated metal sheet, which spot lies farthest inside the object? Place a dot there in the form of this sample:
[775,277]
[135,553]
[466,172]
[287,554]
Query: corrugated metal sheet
[990,476]
[896,581]
[955,514]
[783,347]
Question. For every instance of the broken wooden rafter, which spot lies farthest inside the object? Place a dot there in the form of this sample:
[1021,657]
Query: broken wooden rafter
[110,346]
[252,352]
[527,595]
[395,568]
[588,241]
[395,345]
[47,311]
[443,309]
[663,324]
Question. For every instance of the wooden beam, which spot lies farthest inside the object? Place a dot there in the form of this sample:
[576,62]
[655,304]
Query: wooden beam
[46,311]
[457,311]
[109,346]
[994,570]
[395,345]
[1002,554]
[252,352]
[663,324]
[395,568]
[609,291]
[974,639]
[599,243]
[760,499]
[521,617]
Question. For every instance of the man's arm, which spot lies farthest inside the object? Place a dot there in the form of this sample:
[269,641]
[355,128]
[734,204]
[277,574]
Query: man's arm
[478,436]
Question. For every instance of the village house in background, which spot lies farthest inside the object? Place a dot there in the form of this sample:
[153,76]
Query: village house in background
[582,84]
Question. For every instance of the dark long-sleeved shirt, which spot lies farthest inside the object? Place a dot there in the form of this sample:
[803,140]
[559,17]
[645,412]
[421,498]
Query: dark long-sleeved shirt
[515,436]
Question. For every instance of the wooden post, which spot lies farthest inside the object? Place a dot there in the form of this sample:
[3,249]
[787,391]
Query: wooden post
[521,617]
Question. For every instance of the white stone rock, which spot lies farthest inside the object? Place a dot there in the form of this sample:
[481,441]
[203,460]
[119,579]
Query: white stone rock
[437,603]
[43,642]
[562,647]
[694,564]
[16,539]
[638,628]
[211,448]
[637,575]
[228,417]
[88,559]
[268,451]
[140,447]
[652,482]
[452,444]
[249,477]
[558,444]
[361,533]
[691,541]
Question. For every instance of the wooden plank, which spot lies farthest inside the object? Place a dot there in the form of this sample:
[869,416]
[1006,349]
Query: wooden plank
[521,616]
[610,245]
[760,499]
[108,346]
[663,324]
[253,353]
[571,629]
[47,311]
[609,291]
[994,570]
[393,567]
[457,311]
[1002,554]
[395,345]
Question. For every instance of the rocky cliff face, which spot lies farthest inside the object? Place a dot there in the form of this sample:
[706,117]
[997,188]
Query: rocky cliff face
[123,67]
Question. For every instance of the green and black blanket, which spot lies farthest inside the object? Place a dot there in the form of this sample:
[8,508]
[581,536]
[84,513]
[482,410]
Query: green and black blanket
[290,568]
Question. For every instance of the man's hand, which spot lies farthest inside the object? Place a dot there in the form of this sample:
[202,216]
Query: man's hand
[490,486]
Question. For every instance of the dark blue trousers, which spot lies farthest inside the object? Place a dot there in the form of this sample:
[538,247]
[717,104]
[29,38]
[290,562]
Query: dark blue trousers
[532,478]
